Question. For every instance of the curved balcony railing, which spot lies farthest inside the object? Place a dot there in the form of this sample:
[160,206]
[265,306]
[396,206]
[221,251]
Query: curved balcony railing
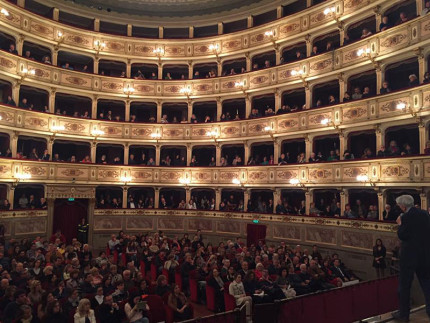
[409,171]
[395,43]
[293,27]
[370,112]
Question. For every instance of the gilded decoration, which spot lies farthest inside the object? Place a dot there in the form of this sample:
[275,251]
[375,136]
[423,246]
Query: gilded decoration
[320,173]
[316,119]
[110,86]
[288,124]
[203,87]
[352,4]
[171,224]
[231,45]
[146,50]
[289,29]
[172,88]
[287,232]
[107,224]
[172,132]
[70,172]
[34,170]
[65,191]
[255,176]
[286,175]
[7,63]
[74,127]
[77,40]
[360,240]
[147,89]
[200,224]
[12,18]
[5,170]
[231,227]
[230,131]
[141,132]
[321,235]
[395,171]
[353,172]
[41,29]
[393,41]
[170,176]
[41,73]
[175,51]
[115,131]
[355,113]
[139,223]
[114,174]
[141,175]
[201,176]
[78,81]
[30,226]
[6,117]
[115,46]
[321,65]
[258,80]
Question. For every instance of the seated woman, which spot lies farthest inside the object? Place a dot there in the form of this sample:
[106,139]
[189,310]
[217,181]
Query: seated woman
[217,283]
[252,288]
[84,313]
[237,290]
[134,311]
[178,302]
[162,286]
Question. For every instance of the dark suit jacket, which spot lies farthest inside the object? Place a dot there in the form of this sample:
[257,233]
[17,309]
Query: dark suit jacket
[414,232]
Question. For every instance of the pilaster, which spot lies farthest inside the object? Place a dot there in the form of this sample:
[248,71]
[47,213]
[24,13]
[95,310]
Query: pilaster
[96,65]
[93,151]
[126,153]
[381,204]
[187,194]
[20,44]
[160,32]
[247,106]
[128,69]
[218,108]
[11,195]
[15,91]
[189,152]
[220,28]
[246,152]
[190,110]
[55,57]
[344,199]
[250,22]
[218,155]
[278,100]
[14,144]
[52,96]
[129,30]
[248,62]
[246,197]
[217,198]
[124,197]
[55,14]
[127,110]
[159,110]
[156,197]
[157,154]
[309,197]
[191,32]
[423,135]
[423,198]
[96,24]
[94,107]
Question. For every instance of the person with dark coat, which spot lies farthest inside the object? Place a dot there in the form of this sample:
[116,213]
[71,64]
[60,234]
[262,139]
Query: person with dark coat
[414,233]
[379,254]
[217,283]
[83,228]
[109,311]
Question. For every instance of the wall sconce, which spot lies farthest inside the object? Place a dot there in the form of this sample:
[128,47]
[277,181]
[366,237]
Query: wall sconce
[128,90]
[19,177]
[240,85]
[329,123]
[60,37]
[27,72]
[331,11]
[296,182]
[57,128]
[156,135]
[96,133]
[4,12]
[213,134]
[269,130]
[238,182]
[186,91]
[272,36]
[99,45]
[126,179]
[365,179]
[159,52]
[403,106]
[216,49]
[185,181]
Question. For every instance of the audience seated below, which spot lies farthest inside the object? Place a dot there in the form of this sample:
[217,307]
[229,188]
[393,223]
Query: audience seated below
[152,275]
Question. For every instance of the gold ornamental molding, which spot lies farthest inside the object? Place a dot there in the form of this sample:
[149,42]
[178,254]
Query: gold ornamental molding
[32,26]
[402,106]
[411,172]
[399,41]
[17,214]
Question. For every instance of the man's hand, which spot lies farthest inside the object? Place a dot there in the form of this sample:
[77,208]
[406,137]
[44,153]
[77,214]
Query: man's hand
[399,220]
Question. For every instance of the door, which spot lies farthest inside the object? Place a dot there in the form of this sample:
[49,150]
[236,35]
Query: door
[67,216]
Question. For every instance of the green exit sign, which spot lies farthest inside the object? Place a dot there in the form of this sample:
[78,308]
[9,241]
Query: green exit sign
[255,221]
[71,199]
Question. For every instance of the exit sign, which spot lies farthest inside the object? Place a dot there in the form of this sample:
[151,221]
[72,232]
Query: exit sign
[71,199]
[255,221]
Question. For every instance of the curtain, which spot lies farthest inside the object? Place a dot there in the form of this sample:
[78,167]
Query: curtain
[254,233]
[67,216]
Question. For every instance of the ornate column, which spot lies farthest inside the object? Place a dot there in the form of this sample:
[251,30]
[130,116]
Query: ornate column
[246,197]
[342,87]
[129,30]
[218,154]
[378,17]
[52,95]
[159,110]
[342,143]
[50,204]
[379,78]
[247,106]
[278,12]
[380,137]
[423,135]
[14,144]
[250,22]
[96,24]
[278,55]
[276,197]
[344,199]
[190,110]
[419,6]
[308,145]
[20,44]
[126,153]
[278,99]
[157,154]
[219,67]
[160,71]
[276,149]
[189,152]
[160,32]
[309,198]
[94,151]
[191,32]
[21,3]
[16,86]
[190,70]
[341,28]
[187,194]
[55,14]
[217,198]
[220,28]
[308,3]
[248,62]
[381,204]
[94,107]
[128,69]
[218,108]
[91,208]
[55,56]
[308,97]
[308,45]
[96,65]
[246,152]
[156,197]
[50,145]
[423,197]
[11,194]
[421,64]
[127,110]
[124,196]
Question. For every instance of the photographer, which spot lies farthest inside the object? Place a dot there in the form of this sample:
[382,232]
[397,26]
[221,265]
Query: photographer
[135,309]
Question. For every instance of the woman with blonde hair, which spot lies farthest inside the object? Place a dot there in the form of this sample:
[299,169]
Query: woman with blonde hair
[36,291]
[84,313]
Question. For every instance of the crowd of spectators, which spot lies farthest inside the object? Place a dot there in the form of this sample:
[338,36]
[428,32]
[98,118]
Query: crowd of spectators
[52,280]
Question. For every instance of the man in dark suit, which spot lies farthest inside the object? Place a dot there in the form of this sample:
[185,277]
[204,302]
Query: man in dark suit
[414,232]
